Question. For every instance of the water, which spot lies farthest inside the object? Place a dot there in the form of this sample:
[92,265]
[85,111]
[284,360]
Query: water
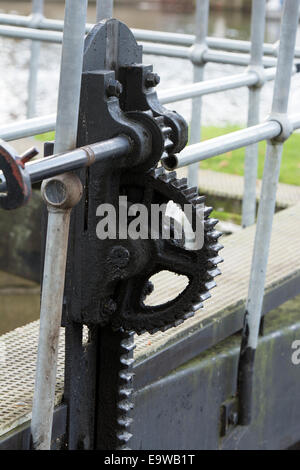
[224,108]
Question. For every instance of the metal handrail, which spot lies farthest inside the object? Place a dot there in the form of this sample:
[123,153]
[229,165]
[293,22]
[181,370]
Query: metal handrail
[179,39]
[35,126]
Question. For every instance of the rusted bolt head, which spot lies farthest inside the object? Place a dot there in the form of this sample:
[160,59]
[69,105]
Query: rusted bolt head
[152,79]
[119,256]
[110,307]
[114,88]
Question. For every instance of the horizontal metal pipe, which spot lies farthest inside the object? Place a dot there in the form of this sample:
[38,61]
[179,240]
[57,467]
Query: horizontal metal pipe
[46,123]
[213,86]
[225,44]
[226,143]
[166,50]
[28,127]
[105,152]
[230,45]
[17,32]
[221,57]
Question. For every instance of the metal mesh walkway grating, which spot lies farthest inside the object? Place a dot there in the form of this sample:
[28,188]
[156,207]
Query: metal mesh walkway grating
[18,348]
[226,185]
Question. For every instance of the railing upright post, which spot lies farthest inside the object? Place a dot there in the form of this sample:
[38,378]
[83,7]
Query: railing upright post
[256,65]
[266,210]
[104,9]
[58,224]
[37,15]
[202,12]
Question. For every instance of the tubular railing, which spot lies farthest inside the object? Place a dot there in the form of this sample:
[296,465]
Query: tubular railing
[261,60]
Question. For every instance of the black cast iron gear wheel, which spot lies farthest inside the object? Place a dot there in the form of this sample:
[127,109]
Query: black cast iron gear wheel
[199,266]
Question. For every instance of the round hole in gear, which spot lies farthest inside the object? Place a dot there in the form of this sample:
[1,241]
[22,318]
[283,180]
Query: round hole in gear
[166,287]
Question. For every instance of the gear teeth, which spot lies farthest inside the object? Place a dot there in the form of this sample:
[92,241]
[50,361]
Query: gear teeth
[197,306]
[126,362]
[125,422]
[204,280]
[213,273]
[210,285]
[166,131]
[207,211]
[160,120]
[124,436]
[168,177]
[215,248]
[210,223]
[158,172]
[199,201]
[189,315]
[125,405]
[215,261]
[180,184]
[168,144]
[126,392]
[126,376]
[214,235]
[128,345]
[155,330]
[172,175]
[190,192]
[141,331]
[205,296]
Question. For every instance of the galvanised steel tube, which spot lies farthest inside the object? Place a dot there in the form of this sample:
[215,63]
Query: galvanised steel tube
[212,86]
[225,143]
[202,13]
[106,153]
[266,210]
[28,127]
[104,9]
[37,15]
[46,123]
[230,45]
[251,153]
[16,32]
[220,57]
[153,49]
[58,226]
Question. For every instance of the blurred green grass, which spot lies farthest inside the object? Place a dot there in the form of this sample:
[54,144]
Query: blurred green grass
[233,162]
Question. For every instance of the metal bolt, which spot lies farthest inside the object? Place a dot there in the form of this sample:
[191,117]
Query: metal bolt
[152,79]
[114,88]
[119,256]
[147,290]
[110,307]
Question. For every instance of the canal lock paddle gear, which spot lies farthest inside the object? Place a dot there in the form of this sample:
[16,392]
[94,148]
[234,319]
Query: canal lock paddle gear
[108,281]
